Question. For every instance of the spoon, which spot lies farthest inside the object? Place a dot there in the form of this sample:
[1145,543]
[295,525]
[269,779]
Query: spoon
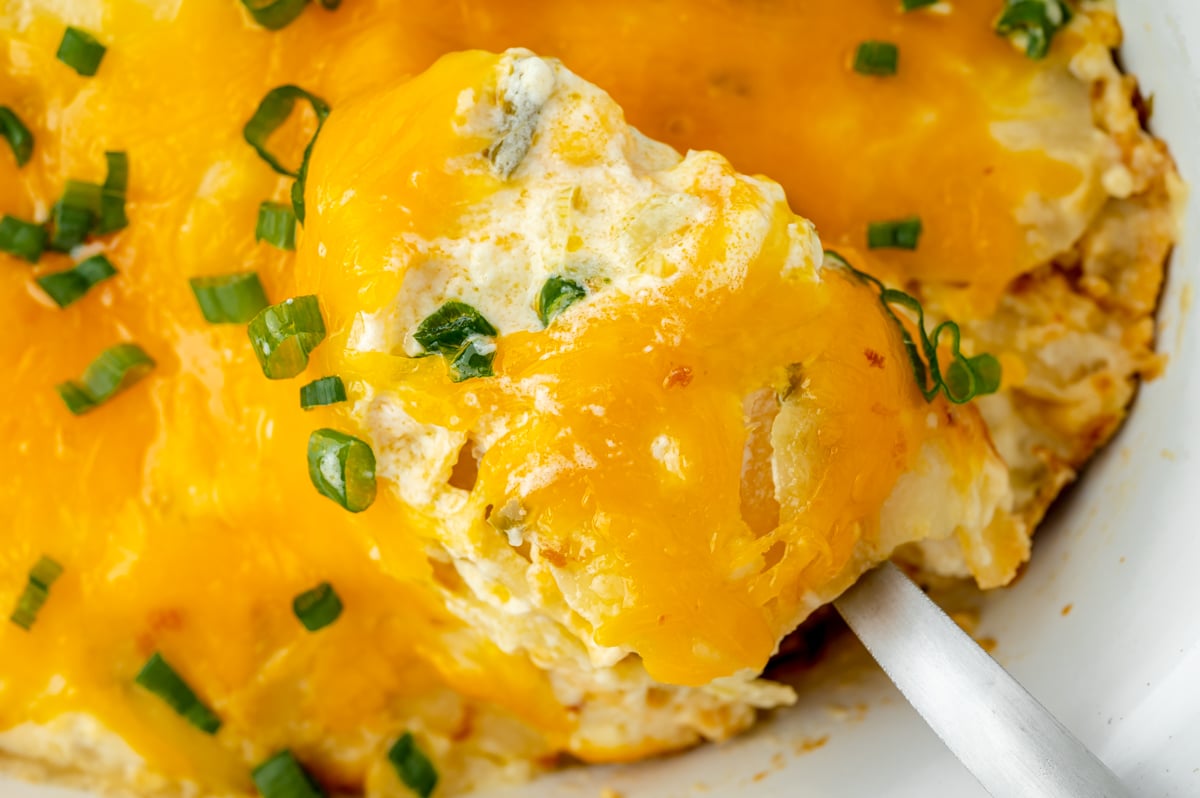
[1009,741]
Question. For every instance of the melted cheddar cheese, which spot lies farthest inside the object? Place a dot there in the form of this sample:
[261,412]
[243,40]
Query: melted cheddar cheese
[680,519]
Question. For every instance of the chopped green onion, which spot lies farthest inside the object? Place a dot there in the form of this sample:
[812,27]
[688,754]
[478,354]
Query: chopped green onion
[284,334]
[275,14]
[87,207]
[23,239]
[19,137]
[1032,24]
[302,178]
[325,391]
[229,298]
[449,327]
[895,234]
[317,608]
[80,51]
[331,5]
[557,295]
[117,368]
[276,225]
[72,217]
[913,5]
[876,58]
[412,766]
[272,112]
[160,678]
[965,377]
[112,197]
[342,468]
[473,360]
[68,286]
[281,776]
[41,576]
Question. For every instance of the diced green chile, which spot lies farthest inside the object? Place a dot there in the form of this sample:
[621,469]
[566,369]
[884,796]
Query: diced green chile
[449,327]
[473,359]
[558,293]
[283,335]
[342,468]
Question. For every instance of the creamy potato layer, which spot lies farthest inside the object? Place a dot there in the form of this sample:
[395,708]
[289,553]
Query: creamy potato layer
[628,422]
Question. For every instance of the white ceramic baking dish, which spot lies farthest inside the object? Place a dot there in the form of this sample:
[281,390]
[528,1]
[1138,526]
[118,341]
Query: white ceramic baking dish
[1121,669]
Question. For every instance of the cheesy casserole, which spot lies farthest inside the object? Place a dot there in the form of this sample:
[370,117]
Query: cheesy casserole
[389,411]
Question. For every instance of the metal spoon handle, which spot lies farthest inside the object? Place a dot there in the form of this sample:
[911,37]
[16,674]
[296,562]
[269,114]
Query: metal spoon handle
[1008,740]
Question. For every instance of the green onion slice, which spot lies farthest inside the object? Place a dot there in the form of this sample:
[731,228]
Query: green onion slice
[449,327]
[68,286]
[281,776]
[331,5]
[302,180]
[412,766]
[557,295]
[317,608]
[117,368]
[160,678]
[229,298]
[895,234]
[283,335]
[112,196]
[876,58]
[22,239]
[81,51]
[18,136]
[325,391]
[342,468]
[276,225]
[473,359]
[41,576]
[74,215]
[275,14]
[913,5]
[272,112]
[1032,24]
[964,378]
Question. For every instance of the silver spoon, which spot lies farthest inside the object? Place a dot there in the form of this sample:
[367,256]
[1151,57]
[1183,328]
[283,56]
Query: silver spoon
[1008,740]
